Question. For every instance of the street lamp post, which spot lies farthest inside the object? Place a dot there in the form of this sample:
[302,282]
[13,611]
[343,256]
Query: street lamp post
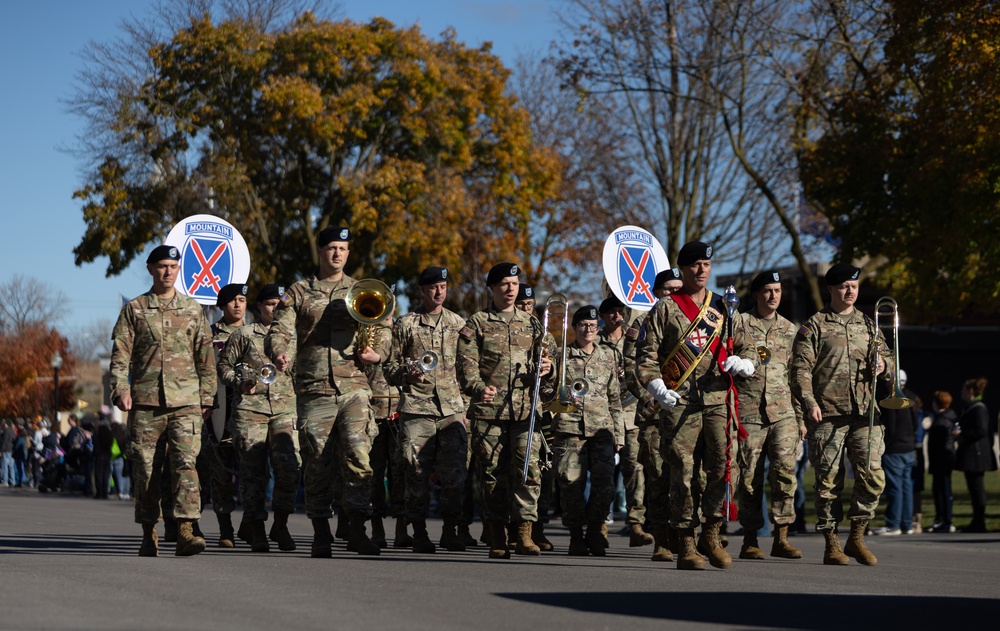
[57,362]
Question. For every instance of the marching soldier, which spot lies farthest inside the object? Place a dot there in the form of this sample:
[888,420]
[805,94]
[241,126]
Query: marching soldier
[220,455]
[431,410]
[612,311]
[588,435]
[833,370]
[656,475]
[386,457]
[163,375]
[263,426]
[332,390]
[526,303]
[683,358]
[496,369]
[772,419]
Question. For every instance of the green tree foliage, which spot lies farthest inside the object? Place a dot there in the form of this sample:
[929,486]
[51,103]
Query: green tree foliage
[908,170]
[414,144]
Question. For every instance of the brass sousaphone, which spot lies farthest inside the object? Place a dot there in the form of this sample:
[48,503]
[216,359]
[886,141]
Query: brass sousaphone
[370,302]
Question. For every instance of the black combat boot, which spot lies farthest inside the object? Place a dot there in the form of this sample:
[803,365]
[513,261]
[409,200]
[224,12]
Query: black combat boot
[258,537]
[450,540]
[359,541]
[378,532]
[148,547]
[279,532]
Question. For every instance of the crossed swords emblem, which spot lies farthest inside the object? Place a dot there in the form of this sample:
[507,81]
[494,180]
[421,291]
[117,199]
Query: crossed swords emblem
[205,277]
[638,285]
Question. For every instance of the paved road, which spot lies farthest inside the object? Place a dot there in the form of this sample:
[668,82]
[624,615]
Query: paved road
[69,562]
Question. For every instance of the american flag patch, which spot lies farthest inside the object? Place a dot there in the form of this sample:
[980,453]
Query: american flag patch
[632,333]
[803,331]
[465,332]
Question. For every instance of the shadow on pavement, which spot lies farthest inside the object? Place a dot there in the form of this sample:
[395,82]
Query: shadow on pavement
[83,544]
[821,612]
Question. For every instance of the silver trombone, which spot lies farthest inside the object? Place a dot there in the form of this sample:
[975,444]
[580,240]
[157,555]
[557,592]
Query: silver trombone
[885,307]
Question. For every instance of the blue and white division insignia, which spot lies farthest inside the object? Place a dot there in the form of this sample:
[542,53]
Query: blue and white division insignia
[642,334]
[529,291]
[777,278]
[444,274]
[343,234]
[854,276]
[708,251]
[244,290]
[173,253]
[513,270]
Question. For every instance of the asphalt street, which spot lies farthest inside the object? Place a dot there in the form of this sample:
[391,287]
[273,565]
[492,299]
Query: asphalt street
[69,562]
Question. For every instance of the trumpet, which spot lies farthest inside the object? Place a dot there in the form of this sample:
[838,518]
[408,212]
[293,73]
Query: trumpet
[266,374]
[426,362]
[369,302]
[885,307]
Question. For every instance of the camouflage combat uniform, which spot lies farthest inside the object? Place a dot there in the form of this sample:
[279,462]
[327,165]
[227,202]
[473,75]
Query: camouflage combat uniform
[385,456]
[218,451]
[497,349]
[431,412]
[654,491]
[632,473]
[701,414]
[585,439]
[831,369]
[332,393]
[772,420]
[162,356]
[262,425]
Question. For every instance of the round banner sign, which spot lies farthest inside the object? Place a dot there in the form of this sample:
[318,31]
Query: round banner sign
[632,258]
[213,255]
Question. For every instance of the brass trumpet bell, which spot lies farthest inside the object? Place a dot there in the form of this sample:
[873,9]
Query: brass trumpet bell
[765,355]
[369,301]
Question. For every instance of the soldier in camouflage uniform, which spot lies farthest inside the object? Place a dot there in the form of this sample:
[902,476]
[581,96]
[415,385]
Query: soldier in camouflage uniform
[656,476]
[219,452]
[588,434]
[526,303]
[431,411]
[496,369]
[163,375]
[703,413]
[612,311]
[772,419]
[263,427]
[331,389]
[832,378]
[385,456]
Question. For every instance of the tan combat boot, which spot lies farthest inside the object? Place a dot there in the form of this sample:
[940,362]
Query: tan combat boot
[421,541]
[595,539]
[661,549]
[258,537]
[687,556]
[227,538]
[524,544]
[148,547]
[577,543]
[639,537]
[856,547]
[751,549]
[450,540]
[497,535]
[322,539]
[279,532]
[378,532]
[359,541]
[781,548]
[187,543]
[538,536]
[833,555]
[401,540]
[711,546]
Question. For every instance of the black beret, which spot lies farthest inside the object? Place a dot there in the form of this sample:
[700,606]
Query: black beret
[586,312]
[268,292]
[330,234]
[432,275]
[842,272]
[694,251]
[229,292]
[525,292]
[501,271]
[665,277]
[610,304]
[162,253]
[764,278]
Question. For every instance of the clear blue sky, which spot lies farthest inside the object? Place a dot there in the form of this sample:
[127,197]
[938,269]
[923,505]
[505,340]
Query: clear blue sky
[40,42]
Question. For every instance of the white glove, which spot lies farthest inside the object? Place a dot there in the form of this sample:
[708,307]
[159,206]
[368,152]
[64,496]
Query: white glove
[738,366]
[666,397]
